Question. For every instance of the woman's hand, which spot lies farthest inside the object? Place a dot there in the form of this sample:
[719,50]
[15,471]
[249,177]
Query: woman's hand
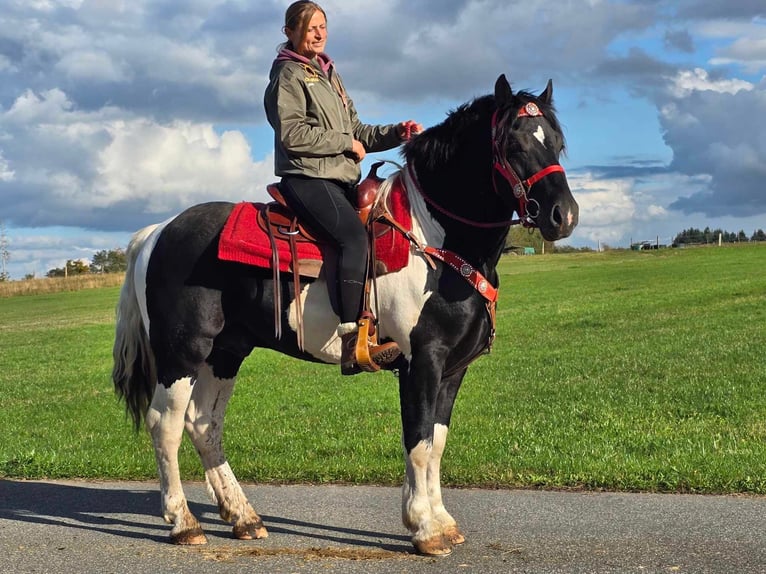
[408,129]
[357,151]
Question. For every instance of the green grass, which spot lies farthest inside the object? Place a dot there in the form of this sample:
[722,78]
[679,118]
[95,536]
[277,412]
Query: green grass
[621,370]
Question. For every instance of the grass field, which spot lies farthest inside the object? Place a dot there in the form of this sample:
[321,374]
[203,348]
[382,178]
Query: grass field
[619,370]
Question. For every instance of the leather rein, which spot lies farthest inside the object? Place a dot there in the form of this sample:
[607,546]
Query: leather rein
[520,190]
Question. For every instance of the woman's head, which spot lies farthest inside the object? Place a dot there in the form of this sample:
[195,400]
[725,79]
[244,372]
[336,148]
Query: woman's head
[306,28]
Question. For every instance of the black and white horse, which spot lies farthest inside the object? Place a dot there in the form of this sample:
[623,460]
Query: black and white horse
[186,320]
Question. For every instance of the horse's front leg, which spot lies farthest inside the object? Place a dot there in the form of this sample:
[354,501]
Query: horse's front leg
[165,423]
[444,403]
[204,423]
[424,424]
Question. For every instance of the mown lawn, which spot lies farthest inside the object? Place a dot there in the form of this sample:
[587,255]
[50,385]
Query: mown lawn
[620,370]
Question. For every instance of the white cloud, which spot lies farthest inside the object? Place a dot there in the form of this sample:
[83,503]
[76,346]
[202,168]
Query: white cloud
[6,173]
[96,161]
[606,207]
[688,81]
[96,65]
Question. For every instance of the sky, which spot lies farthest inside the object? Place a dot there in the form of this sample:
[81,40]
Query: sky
[115,114]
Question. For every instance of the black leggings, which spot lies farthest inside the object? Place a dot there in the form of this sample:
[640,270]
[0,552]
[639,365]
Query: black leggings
[324,208]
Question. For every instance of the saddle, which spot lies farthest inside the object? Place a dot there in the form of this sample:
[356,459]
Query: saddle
[279,222]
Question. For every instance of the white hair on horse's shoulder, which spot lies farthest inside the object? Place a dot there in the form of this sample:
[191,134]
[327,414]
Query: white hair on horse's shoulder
[425,228]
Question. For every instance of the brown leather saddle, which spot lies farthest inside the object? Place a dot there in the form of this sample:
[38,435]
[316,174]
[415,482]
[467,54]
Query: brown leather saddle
[279,221]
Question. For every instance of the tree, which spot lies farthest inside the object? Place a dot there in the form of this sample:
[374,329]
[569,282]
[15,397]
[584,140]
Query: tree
[73,267]
[5,255]
[520,236]
[112,261]
[758,235]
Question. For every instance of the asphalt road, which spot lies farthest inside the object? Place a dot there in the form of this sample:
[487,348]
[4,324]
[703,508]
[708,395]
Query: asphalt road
[102,528]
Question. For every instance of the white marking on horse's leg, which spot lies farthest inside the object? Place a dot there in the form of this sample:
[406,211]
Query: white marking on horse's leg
[416,508]
[540,135]
[427,533]
[165,422]
[204,423]
[440,514]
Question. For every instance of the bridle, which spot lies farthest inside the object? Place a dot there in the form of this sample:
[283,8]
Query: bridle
[520,187]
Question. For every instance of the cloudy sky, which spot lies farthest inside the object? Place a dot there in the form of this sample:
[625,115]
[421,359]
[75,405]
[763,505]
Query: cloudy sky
[118,113]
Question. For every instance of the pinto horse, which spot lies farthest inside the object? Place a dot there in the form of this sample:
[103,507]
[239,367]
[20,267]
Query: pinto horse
[186,320]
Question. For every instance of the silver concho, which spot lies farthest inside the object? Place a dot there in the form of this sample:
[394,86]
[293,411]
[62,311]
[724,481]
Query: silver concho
[482,286]
[466,270]
[532,109]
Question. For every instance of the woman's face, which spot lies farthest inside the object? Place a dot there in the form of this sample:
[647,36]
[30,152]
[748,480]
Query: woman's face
[314,41]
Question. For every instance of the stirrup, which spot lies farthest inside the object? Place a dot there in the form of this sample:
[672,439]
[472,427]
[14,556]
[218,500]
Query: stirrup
[362,349]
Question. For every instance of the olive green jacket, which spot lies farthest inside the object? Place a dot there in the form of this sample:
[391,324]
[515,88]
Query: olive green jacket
[315,121]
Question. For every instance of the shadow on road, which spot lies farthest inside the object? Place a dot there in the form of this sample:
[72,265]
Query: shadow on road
[135,513]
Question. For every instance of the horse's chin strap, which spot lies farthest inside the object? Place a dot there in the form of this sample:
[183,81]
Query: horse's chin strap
[519,186]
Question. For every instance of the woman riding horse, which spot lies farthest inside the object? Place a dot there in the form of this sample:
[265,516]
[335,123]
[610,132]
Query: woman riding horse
[319,142]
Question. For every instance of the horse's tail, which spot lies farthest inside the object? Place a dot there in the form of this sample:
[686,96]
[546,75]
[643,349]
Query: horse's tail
[134,370]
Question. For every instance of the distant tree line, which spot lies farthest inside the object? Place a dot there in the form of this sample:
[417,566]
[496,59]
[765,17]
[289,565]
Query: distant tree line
[105,261]
[694,236]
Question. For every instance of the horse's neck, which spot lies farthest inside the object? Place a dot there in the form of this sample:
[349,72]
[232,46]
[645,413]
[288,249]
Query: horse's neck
[482,247]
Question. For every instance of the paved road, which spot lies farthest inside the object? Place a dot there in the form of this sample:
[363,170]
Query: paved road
[103,528]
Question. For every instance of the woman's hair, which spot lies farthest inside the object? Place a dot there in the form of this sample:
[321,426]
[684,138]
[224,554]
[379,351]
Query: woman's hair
[298,15]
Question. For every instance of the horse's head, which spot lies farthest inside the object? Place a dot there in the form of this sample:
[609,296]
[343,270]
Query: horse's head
[527,142]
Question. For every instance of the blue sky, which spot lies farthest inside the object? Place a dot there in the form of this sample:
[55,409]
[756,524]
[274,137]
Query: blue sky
[114,114]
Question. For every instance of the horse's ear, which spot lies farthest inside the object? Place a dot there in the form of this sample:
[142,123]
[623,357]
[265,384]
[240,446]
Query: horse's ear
[503,92]
[547,95]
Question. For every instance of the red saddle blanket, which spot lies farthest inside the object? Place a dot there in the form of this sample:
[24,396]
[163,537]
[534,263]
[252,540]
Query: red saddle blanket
[243,241]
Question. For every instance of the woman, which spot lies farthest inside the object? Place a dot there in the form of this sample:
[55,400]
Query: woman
[319,143]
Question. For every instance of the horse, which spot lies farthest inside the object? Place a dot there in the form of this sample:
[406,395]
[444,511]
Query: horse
[186,320]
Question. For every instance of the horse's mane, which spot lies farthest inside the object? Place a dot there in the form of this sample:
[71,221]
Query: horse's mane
[437,145]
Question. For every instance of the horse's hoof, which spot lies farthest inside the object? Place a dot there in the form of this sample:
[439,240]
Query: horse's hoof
[191,537]
[435,546]
[250,532]
[453,534]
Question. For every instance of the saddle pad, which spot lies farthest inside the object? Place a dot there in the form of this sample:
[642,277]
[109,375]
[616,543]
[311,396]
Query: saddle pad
[243,241]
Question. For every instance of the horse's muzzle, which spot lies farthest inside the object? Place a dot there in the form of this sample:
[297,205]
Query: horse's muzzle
[563,218]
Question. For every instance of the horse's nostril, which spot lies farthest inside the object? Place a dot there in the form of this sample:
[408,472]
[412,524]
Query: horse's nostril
[556,217]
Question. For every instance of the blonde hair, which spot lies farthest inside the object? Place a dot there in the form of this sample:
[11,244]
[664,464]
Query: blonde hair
[298,15]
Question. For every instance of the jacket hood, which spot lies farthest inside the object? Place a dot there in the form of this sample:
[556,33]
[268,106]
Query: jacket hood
[285,54]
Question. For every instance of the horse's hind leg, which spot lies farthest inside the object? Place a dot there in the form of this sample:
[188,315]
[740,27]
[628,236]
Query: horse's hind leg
[165,422]
[204,423]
